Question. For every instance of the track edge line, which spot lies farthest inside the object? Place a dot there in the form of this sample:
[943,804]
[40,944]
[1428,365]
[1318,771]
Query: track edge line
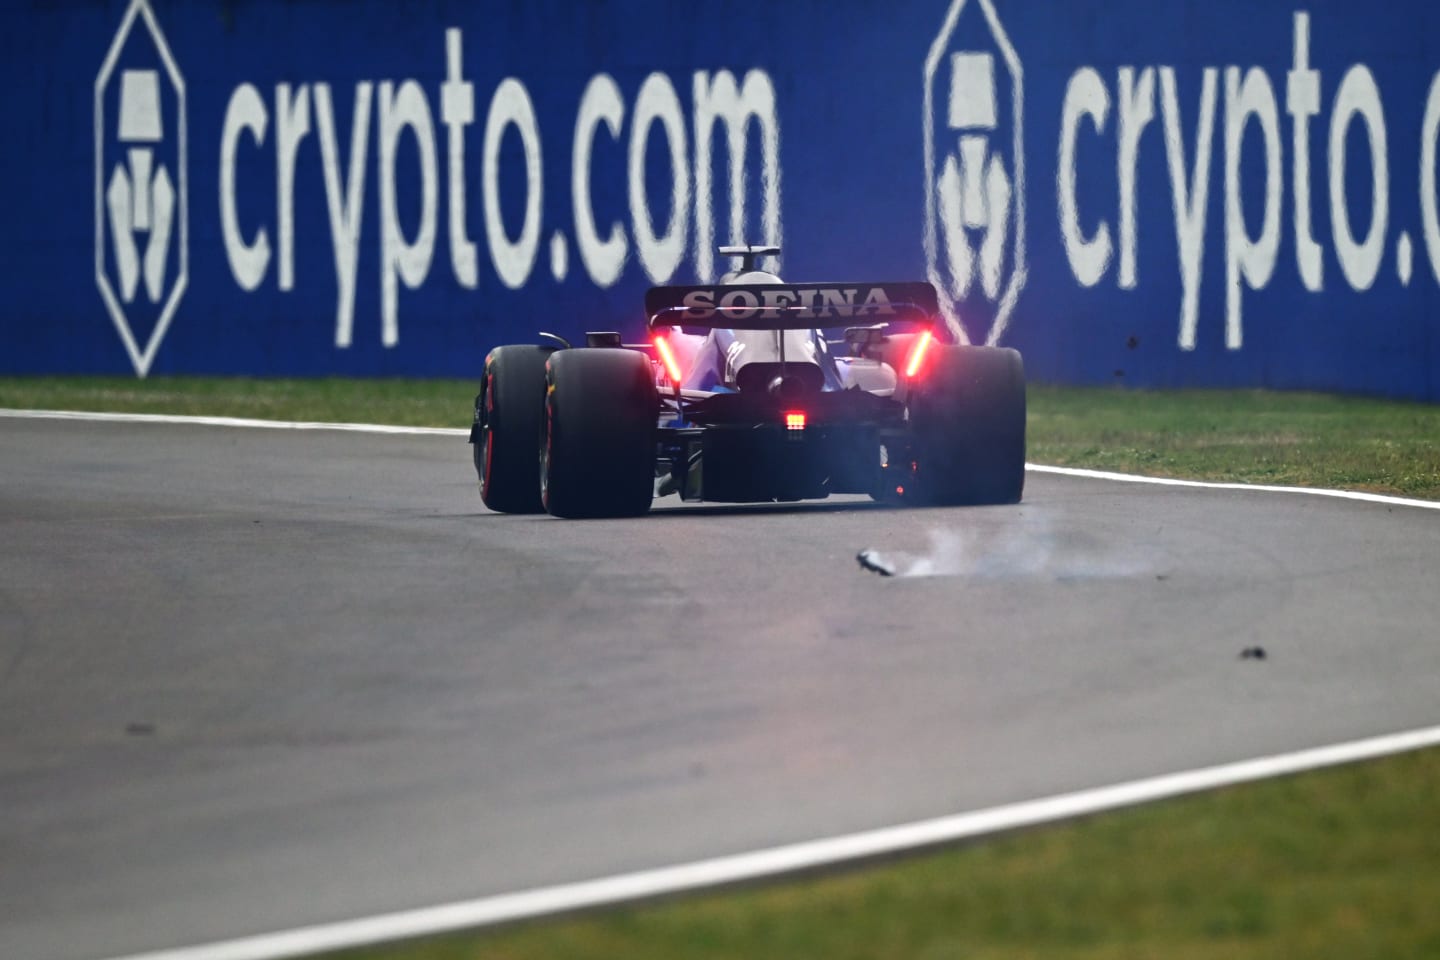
[379,428]
[246,422]
[778,861]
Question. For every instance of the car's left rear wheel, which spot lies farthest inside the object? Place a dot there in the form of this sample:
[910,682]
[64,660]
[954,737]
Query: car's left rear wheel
[509,408]
[597,448]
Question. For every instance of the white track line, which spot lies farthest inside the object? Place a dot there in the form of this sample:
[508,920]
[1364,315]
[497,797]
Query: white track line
[760,864]
[453,432]
[1246,487]
[231,422]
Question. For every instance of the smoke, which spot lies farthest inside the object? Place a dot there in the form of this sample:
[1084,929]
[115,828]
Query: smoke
[1028,549]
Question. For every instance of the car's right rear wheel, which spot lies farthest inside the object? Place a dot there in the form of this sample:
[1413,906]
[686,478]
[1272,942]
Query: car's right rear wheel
[967,427]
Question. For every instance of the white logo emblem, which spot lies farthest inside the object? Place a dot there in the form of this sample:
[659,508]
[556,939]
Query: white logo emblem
[974,208]
[141,223]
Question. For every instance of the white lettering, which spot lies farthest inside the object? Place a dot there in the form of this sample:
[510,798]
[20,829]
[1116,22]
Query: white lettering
[699,303]
[292,125]
[1429,200]
[837,303]
[775,300]
[1085,96]
[604,259]
[1250,259]
[400,260]
[457,111]
[718,99]
[1190,203]
[246,113]
[1359,97]
[739,304]
[1302,101]
[659,255]
[513,260]
[742,114]
[1137,110]
[877,303]
[345,211]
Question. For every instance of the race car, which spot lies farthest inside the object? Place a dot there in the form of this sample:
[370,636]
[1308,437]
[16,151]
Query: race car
[754,390]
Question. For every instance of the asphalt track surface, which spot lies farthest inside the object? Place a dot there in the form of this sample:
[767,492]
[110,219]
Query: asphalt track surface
[255,680]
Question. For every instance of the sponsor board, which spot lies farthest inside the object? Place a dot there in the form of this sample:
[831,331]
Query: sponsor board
[141,211]
[1199,194]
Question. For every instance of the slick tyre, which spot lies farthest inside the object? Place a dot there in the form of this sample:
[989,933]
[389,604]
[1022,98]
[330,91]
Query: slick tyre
[967,423]
[510,410]
[597,452]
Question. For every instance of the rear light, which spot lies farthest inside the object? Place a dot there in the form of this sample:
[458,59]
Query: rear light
[795,420]
[917,354]
[667,357]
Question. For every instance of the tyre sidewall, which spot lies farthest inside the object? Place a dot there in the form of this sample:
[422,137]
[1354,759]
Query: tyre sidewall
[512,397]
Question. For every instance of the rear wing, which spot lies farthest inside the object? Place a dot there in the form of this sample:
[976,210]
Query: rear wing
[791,306]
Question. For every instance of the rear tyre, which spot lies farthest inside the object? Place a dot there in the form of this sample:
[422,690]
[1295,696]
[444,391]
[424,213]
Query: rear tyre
[509,412]
[967,426]
[597,453]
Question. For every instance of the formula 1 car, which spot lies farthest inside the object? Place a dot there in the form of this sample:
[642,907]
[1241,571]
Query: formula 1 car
[754,390]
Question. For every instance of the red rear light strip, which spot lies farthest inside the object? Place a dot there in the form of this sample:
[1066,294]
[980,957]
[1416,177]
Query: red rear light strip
[667,357]
[917,353]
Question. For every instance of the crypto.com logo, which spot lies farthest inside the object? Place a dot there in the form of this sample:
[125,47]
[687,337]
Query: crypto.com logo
[974,209]
[141,222]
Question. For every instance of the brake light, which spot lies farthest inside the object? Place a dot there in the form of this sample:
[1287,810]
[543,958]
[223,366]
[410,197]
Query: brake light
[917,353]
[667,357]
[795,420]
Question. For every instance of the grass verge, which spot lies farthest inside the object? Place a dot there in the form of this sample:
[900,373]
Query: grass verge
[1336,864]
[1331,865]
[1247,436]
[409,403]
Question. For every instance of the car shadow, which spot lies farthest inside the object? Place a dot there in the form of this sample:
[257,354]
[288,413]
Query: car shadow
[766,509]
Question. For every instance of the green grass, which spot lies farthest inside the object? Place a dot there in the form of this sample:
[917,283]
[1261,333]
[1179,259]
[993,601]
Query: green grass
[411,403]
[1249,436]
[1332,865]
[1342,863]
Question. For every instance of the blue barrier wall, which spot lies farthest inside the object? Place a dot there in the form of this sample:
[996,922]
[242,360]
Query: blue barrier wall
[1191,193]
